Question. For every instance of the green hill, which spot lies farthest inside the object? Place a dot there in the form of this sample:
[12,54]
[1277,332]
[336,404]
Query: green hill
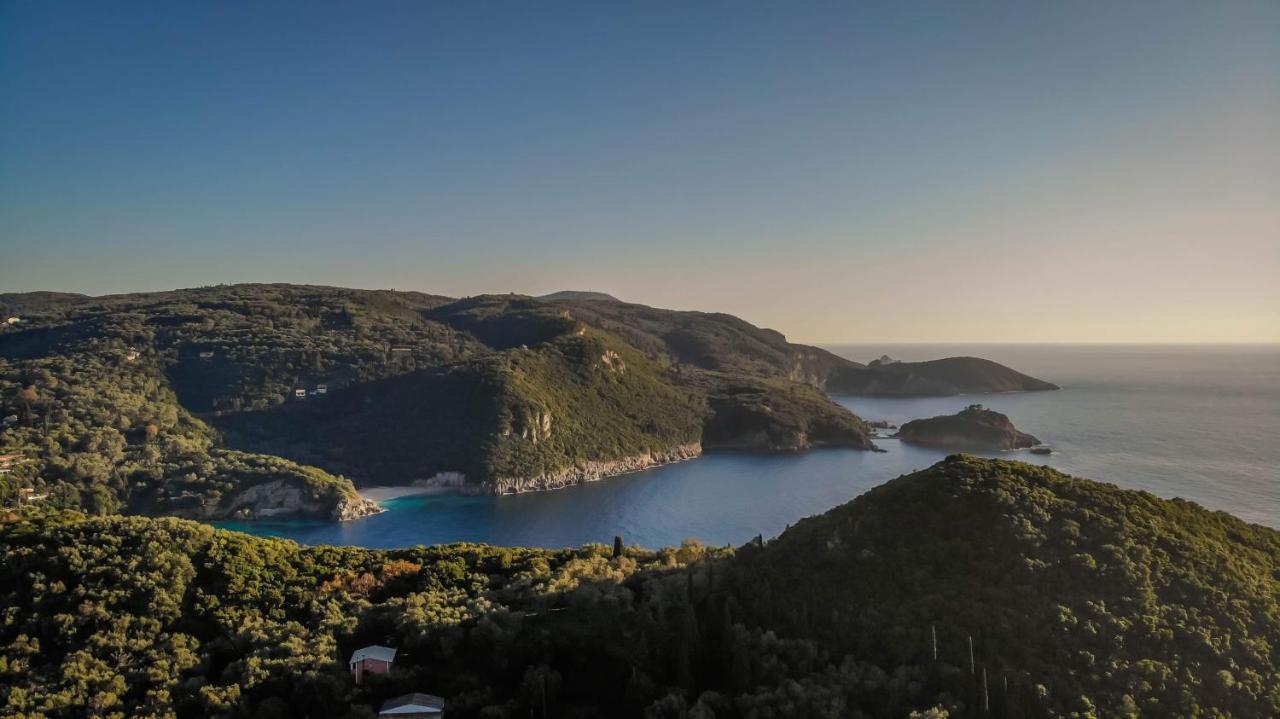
[942,377]
[1088,599]
[181,402]
[1081,600]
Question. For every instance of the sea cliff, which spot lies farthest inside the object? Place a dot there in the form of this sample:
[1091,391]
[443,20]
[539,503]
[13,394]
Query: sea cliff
[284,498]
[587,471]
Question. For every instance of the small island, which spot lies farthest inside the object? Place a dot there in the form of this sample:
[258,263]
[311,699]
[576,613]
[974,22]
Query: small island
[974,427]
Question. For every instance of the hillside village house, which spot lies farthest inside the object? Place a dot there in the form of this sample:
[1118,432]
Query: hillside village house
[27,495]
[375,659]
[413,706]
[300,393]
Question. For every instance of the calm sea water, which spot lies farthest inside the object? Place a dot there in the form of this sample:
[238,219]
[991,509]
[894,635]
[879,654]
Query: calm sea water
[1202,423]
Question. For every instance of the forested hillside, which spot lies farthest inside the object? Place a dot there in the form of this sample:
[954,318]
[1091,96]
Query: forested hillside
[259,399]
[972,589]
[1088,599]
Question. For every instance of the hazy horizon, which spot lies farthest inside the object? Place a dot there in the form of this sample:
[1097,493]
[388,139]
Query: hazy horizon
[990,173]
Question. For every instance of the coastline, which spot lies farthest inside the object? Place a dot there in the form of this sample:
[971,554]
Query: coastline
[591,471]
[383,493]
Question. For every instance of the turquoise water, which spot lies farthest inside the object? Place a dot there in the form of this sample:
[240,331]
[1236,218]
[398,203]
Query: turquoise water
[1202,423]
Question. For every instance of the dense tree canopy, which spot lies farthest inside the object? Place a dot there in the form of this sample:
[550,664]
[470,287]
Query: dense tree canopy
[973,589]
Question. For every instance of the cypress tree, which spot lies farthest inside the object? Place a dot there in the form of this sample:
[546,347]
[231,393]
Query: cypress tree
[986,696]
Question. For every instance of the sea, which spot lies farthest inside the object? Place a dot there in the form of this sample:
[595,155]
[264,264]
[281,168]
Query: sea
[1197,422]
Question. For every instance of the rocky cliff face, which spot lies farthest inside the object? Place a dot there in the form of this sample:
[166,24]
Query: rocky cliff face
[348,508]
[282,498]
[972,428]
[588,471]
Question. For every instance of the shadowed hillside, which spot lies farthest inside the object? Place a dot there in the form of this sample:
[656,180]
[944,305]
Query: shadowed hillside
[136,401]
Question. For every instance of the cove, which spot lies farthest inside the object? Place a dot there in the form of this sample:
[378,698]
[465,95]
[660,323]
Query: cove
[720,498]
[1189,422]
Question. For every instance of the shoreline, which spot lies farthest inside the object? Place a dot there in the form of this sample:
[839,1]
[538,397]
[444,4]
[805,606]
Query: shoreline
[384,493]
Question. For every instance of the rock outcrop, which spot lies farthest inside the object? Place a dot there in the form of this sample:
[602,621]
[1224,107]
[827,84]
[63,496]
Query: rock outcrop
[974,427]
[354,507]
[283,498]
[587,471]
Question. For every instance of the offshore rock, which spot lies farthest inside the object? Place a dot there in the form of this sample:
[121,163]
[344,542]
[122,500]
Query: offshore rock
[974,427]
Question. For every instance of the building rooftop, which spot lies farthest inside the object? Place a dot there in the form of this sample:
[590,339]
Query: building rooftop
[376,651]
[412,704]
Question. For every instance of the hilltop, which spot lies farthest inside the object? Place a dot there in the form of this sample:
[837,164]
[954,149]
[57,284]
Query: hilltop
[1077,598]
[716,341]
[1088,599]
[935,378]
[579,295]
[255,400]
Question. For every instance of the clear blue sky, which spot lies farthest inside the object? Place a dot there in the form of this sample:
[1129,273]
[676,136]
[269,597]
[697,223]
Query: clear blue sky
[1073,171]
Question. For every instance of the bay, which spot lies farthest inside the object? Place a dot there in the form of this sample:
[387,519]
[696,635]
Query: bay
[1198,422]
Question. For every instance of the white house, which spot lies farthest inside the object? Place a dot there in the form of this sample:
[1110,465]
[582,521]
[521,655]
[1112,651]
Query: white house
[300,393]
[413,706]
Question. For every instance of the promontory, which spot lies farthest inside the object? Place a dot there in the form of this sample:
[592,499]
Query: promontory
[270,399]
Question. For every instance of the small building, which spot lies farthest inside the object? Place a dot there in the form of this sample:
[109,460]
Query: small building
[26,495]
[12,320]
[132,354]
[375,659]
[413,706]
[7,461]
[322,388]
[300,393]
[206,354]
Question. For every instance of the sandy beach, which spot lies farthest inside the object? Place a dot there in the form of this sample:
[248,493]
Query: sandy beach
[382,494]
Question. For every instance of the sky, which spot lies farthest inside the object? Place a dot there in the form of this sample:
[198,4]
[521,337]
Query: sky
[842,172]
